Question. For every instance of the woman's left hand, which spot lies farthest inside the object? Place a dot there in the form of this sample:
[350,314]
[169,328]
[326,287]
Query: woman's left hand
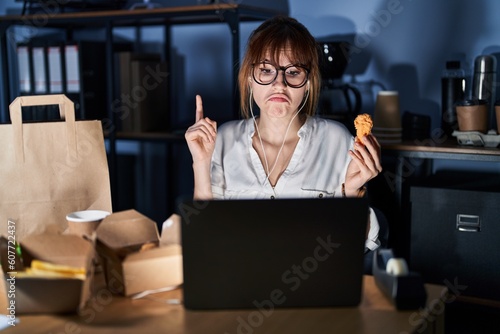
[364,166]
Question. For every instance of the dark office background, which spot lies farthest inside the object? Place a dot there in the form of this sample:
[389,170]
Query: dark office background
[399,45]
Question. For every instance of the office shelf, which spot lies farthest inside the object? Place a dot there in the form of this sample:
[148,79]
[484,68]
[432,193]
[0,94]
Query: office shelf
[107,20]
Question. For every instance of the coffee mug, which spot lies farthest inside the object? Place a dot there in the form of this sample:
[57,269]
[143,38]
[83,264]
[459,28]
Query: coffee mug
[472,115]
[387,113]
[84,223]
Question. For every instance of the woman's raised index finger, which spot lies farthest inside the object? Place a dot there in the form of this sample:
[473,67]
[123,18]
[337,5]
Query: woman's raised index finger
[199,108]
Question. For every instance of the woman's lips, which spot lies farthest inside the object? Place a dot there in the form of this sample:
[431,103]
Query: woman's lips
[278,99]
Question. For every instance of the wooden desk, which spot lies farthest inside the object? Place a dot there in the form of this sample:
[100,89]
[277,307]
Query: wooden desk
[448,149]
[408,154]
[411,162]
[116,314]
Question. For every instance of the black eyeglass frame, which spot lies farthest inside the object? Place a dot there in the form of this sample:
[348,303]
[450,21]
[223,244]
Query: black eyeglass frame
[283,69]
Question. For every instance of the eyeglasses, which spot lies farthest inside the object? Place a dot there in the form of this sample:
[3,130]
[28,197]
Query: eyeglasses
[294,76]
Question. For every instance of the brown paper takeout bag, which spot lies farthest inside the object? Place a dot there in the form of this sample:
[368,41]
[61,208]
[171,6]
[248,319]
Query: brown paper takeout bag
[49,169]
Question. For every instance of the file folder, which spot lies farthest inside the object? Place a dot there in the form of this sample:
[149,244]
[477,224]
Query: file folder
[55,69]
[39,70]
[24,68]
[72,63]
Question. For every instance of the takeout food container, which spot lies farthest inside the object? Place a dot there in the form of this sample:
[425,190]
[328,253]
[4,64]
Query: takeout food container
[35,294]
[133,256]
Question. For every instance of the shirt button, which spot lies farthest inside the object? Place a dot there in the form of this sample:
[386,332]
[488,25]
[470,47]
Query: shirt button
[272,197]
[320,195]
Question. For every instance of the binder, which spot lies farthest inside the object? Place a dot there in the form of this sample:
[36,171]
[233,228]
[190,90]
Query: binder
[24,69]
[39,70]
[143,106]
[124,111]
[149,96]
[93,81]
[76,69]
[55,69]
[72,66]
[71,76]
[86,77]
[32,73]
[135,99]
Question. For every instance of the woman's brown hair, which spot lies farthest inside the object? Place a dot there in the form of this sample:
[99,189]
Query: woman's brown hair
[271,38]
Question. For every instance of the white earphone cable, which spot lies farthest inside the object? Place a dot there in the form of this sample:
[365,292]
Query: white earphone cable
[269,172]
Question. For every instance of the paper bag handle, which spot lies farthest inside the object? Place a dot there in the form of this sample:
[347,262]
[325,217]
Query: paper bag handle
[66,111]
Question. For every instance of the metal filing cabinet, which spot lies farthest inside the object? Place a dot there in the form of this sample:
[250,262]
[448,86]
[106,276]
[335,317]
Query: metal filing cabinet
[455,236]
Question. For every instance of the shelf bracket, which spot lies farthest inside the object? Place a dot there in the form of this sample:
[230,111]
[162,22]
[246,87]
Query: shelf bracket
[232,19]
[5,100]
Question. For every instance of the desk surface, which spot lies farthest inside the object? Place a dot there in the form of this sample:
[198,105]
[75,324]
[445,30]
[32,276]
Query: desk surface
[154,314]
[429,149]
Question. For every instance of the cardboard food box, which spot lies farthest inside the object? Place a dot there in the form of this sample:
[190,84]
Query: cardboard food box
[32,294]
[133,256]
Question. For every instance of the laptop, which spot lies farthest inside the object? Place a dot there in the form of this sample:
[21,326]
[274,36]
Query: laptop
[267,254]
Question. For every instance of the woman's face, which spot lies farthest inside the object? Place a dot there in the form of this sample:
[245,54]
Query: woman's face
[278,99]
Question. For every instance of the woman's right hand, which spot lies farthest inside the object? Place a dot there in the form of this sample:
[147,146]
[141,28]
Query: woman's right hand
[201,135]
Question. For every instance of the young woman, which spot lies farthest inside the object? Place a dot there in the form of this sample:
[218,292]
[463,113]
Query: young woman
[282,150]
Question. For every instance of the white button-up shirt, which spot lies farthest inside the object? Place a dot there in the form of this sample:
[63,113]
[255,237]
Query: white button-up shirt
[317,167]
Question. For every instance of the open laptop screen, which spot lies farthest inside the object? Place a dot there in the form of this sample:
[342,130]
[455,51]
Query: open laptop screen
[287,252]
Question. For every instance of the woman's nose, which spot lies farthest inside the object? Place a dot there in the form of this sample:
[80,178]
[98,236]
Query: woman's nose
[280,79]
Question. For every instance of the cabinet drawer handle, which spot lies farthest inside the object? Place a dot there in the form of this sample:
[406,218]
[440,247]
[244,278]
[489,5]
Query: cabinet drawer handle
[468,223]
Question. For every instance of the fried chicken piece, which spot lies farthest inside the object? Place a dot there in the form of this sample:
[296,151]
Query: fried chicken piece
[363,124]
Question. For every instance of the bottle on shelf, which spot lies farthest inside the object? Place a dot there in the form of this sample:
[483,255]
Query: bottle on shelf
[452,90]
[484,82]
